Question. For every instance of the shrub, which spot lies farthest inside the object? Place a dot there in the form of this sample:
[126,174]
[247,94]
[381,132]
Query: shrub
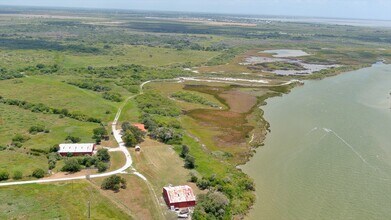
[20,138]
[4,175]
[17,175]
[114,183]
[193,178]
[185,151]
[73,139]
[189,162]
[102,167]
[38,173]
[37,129]
[55,148]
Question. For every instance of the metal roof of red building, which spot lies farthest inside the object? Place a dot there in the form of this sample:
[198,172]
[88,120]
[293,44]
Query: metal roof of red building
[177,194]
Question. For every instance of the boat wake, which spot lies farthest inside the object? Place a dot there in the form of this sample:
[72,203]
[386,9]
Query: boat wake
[312,130]
[329,131]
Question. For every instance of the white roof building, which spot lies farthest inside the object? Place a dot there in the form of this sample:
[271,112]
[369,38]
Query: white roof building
[76,148]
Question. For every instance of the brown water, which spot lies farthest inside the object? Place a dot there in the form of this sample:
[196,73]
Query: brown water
[329,153]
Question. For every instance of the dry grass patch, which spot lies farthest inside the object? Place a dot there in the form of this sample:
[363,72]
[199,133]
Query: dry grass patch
[137,199]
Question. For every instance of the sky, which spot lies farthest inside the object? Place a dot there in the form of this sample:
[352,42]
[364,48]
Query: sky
[362,9]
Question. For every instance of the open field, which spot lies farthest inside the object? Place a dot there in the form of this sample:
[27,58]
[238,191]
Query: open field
[54,201]
[136,199]
[44,89]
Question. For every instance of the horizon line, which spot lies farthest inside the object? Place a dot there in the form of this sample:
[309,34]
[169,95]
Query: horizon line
[190,12]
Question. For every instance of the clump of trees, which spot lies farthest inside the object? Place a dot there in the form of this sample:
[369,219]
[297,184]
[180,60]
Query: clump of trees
[154,103]
[114,183]
[38,129]
[112,96]
[94,86]
[213,205]
[131,134]
[100,161]
[166,131]
[158,117]
[19,139]
[5,74]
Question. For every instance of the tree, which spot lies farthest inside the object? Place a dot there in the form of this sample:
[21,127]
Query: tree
[189,162]
[71,165]
[185,151]
[114,183]
[129,139]
[17,175]
[4,175]
[102,167]
[103,155]
[38,173]
[99,134]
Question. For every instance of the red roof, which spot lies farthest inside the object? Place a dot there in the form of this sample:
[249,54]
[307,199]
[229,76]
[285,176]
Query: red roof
[140,126]
[177,194]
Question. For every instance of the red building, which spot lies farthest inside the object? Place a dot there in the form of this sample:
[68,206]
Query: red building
[179,196]
[76,149]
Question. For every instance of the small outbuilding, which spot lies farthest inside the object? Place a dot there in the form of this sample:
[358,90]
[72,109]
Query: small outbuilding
[76,149]
[179,196]
[137,148]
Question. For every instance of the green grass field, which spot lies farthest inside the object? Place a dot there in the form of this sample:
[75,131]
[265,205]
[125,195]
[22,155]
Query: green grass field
[56,201]
[54,93]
